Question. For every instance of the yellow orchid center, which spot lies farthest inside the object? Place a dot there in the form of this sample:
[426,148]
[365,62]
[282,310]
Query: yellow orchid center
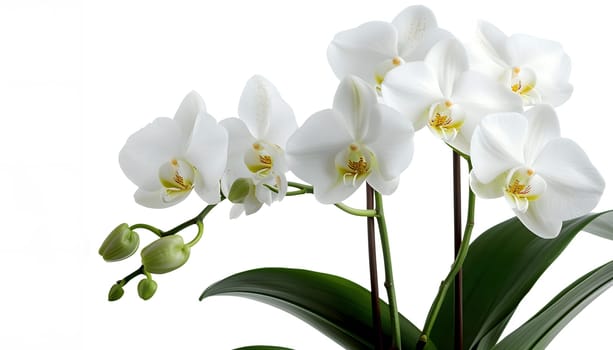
[177,177]
[353,164]
[522,80]
[260,159]
[523,186]
[384,67]
[445,120]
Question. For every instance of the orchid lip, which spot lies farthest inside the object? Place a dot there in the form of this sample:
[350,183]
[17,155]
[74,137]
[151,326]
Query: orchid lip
[353,163]
[445,119]
[177,178]
[523,186]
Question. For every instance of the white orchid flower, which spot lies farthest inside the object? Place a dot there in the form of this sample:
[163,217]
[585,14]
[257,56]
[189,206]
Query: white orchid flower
[170,157]
[442,93]
[359,140]
[545,178]
[257,142]
[536,69]
[370,50]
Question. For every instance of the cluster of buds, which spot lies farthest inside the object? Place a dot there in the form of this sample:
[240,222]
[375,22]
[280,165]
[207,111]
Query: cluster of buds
[163,255]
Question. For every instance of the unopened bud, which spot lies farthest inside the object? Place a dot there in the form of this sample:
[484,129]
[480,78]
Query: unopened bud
[164,255]
[116,292]
[146,288]
[240,190]
[119,244]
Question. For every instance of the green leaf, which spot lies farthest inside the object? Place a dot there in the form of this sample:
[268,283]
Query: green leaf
[501,267]
[335,306]
[538,332]
[262,347]
[602,226]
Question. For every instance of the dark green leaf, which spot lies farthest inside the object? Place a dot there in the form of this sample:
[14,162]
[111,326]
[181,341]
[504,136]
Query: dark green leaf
[537,332]
[602,226]
[335,306]
[501,267]
[262,347]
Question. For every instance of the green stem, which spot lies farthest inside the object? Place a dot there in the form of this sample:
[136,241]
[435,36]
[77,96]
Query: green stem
[372,264]
[457,265]
[198,235]
[155,230]
[192,221]
[125,280]
[303,189]
[356,212]
[389,275]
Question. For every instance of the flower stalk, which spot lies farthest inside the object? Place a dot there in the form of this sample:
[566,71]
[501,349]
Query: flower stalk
[389,275]
[455,268]
[374,279]
[457,237]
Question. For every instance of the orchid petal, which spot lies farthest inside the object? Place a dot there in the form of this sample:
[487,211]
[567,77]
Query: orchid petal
[493,189]
[541,225]
[240,139]
[311,152]
[155,199]
[359,50]
[497,145]
[354,100]
[393,147]
[261,107]
[494,43]
[384,186]
[544,56]
[543,127]
[251,204]
[411,89]
[147,149]
[417,32]
[263,194]
[190,107]
[479,96]
[236,211]
[208,153]
[448,60]
[574,185]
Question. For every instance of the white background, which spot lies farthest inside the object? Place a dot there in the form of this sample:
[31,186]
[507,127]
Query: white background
[77,78]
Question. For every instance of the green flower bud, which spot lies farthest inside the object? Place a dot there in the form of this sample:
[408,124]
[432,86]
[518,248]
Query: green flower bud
[164,255]
[239,190]
[116,292]
[121,243]
[146,288]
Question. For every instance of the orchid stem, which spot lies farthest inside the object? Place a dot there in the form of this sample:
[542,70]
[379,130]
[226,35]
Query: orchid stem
[198,235]
[455,268]
[192,221]
[457,238]
[155,230]
[389,275]
[374,279]
[357,212]
[303,189]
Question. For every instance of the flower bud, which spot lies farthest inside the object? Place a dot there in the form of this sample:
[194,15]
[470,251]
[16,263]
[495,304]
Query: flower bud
[119,244]
[164,255]
[239,190]
[146,288]
[116,292]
